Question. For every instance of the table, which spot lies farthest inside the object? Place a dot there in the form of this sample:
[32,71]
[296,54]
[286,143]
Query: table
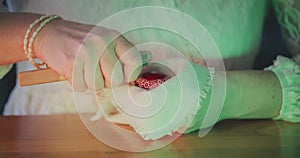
[66,136]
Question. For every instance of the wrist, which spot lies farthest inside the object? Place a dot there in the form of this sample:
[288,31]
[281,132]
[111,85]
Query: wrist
[38,42]
[251,95]
[230,108]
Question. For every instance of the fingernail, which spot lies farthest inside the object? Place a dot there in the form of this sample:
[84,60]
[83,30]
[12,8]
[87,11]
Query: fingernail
[146,57]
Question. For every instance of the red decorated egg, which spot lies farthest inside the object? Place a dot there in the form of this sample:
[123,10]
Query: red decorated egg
[150,80]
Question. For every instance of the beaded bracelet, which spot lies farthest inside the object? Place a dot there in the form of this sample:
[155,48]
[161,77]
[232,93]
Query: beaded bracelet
[28,49]
[31,26]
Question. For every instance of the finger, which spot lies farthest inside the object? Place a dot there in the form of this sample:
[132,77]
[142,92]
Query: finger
[111,68]
[77,78]
[93,76]
[92,73]
[146,57]
[130,57]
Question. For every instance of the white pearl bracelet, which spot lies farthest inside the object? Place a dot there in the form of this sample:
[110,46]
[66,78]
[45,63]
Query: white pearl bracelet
[43,20]
[31,26]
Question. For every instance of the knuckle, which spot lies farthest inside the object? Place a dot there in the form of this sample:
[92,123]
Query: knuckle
[114,33]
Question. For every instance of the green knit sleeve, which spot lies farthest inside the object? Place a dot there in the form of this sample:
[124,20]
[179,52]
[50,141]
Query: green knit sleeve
[4,69]
[288,16]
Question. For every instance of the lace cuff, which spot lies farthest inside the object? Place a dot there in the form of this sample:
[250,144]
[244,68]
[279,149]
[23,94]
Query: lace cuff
[288,72]
[4,70]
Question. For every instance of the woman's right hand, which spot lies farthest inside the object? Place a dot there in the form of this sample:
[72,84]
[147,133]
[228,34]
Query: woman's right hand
[169,107]
[90,57]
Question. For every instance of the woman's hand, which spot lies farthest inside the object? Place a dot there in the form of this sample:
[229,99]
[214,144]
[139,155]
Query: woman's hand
[90,57]
[169,107]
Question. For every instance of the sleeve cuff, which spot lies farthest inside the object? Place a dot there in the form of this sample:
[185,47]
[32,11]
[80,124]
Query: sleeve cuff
[288,73]
[4,70]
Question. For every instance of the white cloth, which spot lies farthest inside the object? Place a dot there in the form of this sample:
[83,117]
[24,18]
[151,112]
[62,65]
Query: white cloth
[166,109]
[225,20]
